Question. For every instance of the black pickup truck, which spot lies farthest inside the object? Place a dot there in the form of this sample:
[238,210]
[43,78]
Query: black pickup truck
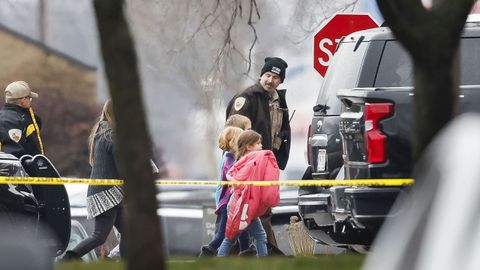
[371,74]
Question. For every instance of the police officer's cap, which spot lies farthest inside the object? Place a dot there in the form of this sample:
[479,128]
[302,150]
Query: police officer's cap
[19,89]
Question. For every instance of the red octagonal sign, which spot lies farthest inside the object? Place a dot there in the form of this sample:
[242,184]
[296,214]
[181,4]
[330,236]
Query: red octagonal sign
[327,38]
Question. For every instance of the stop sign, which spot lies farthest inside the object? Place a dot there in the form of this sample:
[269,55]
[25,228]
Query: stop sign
[326,40]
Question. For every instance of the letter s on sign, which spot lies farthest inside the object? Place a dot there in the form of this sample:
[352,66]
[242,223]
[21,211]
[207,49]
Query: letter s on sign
[326,51]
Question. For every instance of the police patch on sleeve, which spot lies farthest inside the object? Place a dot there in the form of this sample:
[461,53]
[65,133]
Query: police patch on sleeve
[239,102]
[15,134]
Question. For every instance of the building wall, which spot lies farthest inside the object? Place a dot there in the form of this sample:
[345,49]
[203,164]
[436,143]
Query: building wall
[44,70]
[67,103]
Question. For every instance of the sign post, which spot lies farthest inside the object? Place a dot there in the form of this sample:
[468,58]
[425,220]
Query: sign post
[326,40]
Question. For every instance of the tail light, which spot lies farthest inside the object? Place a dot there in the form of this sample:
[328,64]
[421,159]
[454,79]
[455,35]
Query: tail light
[375,139]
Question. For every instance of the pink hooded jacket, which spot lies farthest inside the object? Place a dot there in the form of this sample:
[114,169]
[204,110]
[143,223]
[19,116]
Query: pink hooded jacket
[250,202]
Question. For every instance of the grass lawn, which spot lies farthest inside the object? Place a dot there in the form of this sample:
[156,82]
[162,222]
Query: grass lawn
[321,262]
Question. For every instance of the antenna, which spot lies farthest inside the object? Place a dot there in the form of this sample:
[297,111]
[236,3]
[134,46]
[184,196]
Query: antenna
[293,113]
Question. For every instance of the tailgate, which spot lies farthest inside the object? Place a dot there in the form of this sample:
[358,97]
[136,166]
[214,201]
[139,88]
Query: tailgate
[375,128]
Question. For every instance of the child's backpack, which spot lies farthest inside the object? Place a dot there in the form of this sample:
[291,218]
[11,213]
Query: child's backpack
[250,202]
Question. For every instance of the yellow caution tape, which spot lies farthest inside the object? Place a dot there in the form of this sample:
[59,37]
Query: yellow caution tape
[58,181]
[324,183]
[109,182]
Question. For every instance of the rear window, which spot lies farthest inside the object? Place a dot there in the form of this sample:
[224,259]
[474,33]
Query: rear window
[395,67]
[343,73]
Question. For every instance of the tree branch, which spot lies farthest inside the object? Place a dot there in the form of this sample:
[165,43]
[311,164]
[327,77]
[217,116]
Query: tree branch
[255,37]
[315,22]
[204,20]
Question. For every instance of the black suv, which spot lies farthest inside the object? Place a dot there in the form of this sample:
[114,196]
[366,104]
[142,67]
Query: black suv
[372,75]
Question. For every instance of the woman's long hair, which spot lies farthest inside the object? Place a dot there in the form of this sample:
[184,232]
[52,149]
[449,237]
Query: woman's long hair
[102,127]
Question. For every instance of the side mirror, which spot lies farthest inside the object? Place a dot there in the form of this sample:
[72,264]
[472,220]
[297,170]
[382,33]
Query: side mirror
[320,107]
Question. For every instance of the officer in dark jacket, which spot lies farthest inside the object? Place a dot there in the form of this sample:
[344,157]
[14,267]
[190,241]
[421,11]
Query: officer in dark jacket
[266,107]
[19,126]
[19,135]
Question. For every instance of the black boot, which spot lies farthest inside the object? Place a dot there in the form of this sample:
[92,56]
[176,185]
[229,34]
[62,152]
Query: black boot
[70,256]
[250,251]
[207,251]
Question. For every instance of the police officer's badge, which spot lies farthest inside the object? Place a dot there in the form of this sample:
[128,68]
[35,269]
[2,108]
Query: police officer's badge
[239,102]
[15,134]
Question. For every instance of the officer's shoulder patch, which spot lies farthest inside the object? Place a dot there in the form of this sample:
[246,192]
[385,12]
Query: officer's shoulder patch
[15,134]
[239,102]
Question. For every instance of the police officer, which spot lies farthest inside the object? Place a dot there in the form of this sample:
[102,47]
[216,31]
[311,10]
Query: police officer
[19,135]
[266,107]
[19,126]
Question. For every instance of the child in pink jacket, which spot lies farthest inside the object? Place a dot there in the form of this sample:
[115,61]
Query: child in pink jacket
[249,202]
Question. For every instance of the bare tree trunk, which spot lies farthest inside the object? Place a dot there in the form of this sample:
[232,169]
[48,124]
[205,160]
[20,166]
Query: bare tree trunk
[432,38]
[143,234]
[436,95]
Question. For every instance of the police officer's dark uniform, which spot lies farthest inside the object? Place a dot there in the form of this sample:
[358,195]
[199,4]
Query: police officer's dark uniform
[255,106]
[19,126]
[19,134]
[267,112]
